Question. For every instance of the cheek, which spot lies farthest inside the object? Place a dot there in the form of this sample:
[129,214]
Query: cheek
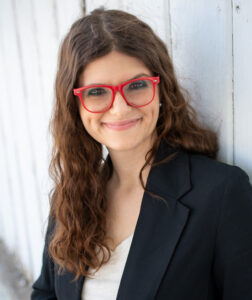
[82,116]
[85,119]
[90,121]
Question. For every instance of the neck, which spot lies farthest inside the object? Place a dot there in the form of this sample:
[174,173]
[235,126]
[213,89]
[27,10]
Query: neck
[127,165]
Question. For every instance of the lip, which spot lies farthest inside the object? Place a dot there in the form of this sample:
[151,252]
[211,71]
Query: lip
[122,125]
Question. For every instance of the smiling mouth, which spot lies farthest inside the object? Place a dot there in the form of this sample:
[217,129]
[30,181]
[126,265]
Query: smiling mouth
[121,122]
[122,125]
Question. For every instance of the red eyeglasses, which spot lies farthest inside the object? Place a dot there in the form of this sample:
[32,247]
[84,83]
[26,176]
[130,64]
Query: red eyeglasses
[136,92]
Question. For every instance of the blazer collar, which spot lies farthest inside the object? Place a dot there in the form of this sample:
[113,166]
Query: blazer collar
[157,231]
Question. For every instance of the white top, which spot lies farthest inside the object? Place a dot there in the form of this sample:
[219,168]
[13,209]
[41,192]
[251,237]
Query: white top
[104,284]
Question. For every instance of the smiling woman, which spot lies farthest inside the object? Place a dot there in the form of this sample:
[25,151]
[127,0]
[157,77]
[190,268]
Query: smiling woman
[159,217]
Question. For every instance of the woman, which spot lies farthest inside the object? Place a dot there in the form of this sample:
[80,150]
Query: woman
[160,217]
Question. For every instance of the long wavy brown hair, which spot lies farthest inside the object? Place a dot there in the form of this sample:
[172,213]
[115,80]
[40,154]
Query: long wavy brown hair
[78,201]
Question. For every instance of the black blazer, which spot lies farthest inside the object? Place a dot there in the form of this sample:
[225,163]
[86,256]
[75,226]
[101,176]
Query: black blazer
[200,249]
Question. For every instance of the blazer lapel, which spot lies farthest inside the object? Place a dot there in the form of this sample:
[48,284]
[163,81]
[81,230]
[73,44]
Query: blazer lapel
[158,228]
[156,235]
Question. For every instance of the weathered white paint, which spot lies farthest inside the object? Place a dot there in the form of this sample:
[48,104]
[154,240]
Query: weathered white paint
[242,60]
[202,54]
[209,42]
[24,189]
[31,32]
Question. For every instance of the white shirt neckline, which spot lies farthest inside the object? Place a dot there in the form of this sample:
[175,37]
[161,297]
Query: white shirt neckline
[122,243]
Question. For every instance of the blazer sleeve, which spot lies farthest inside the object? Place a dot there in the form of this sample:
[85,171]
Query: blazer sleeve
[232,266]
[43,287]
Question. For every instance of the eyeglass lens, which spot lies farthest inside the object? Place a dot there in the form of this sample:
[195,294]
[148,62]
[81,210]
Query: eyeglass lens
[99,98]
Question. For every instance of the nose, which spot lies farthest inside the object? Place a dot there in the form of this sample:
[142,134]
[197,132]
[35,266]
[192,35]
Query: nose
[119,103]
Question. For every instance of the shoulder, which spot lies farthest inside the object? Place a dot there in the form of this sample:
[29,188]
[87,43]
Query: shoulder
[218,187]
[205,169]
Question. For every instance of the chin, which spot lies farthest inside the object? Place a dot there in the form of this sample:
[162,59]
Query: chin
[123,145]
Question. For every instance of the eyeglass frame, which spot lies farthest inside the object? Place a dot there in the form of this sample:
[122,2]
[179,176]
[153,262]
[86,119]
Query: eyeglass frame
[78,91]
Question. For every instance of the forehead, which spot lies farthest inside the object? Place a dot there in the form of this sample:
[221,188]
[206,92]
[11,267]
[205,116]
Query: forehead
[112,68]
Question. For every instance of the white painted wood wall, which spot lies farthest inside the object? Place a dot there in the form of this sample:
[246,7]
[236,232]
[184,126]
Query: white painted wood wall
[211,46]
[30,33]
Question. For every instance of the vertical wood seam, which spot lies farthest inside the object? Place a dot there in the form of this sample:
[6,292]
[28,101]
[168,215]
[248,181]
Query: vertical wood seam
[56,20]
[233,112]
[170,29]
[83,7]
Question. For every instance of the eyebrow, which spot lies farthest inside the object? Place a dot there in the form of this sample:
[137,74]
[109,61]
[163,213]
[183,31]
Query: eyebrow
[140,75]
[135,77]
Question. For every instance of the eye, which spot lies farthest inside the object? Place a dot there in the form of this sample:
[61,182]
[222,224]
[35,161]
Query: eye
[137,85]
[96,92]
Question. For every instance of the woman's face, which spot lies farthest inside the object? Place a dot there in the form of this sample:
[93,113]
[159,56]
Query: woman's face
[113,69]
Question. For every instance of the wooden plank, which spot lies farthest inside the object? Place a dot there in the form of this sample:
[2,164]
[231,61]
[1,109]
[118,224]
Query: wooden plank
[202,54]
[8,230]
[13,215]
[31,116]
[46,37]
[242,32]
[67,11]
[30,48]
